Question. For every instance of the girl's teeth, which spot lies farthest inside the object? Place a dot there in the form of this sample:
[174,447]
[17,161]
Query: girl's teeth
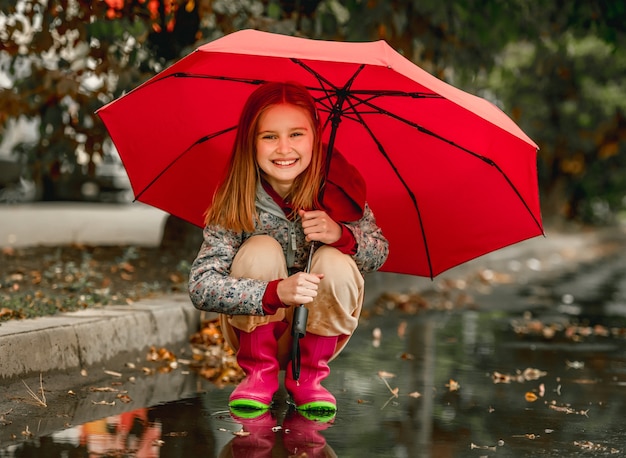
[284,162]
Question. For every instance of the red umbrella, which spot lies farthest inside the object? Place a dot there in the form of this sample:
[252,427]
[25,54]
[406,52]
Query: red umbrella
[450,176]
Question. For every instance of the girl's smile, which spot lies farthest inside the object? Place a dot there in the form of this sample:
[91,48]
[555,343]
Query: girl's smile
[284,145]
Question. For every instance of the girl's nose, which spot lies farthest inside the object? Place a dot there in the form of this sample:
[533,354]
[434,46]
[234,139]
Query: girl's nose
[284,145]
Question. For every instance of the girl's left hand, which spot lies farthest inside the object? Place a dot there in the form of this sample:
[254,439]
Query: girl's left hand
[319,227]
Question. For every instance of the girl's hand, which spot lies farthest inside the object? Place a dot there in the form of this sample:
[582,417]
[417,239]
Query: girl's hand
[300,288]
[319,227]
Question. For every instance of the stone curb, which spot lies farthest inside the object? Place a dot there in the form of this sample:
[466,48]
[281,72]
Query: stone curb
[84,338]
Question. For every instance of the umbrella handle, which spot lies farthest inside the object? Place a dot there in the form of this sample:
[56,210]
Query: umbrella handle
[298,330]
[298,326]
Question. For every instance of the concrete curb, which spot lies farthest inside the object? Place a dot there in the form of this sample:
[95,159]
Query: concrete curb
[84,338]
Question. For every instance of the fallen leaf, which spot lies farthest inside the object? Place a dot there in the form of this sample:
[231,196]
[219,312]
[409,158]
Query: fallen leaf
[103,403]
[113,373]
[483,447]
[588,445]
[6,312]
[533,374]
[128,267]
[530,396]
[383,374]
[568,410]
[530,436]
[575,364]
[500,378]
[177,278]
[527,375]
[124,398]
[402,329]
[104,389]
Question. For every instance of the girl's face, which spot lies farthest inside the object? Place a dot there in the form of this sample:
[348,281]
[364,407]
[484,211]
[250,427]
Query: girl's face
[284,145]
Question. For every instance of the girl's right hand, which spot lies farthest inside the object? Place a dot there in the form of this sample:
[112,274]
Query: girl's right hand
[300,288]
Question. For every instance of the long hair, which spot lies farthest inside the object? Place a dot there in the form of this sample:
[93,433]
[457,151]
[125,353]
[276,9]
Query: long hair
[233,205]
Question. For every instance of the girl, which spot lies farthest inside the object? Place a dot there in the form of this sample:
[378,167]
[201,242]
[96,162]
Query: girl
[277,199]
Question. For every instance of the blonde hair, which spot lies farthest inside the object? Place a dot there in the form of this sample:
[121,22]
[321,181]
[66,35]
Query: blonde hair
[233,205]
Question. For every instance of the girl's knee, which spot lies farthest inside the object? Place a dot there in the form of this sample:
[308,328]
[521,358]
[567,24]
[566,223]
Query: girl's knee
[328,256]
[262,244]
[260,257]
[335,264]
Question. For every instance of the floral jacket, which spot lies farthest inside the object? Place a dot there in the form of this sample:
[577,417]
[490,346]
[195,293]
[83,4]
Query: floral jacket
[212,289]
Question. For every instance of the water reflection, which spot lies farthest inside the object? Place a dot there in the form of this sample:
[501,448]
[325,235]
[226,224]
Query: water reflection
[127,433]
[180,428]
[269,435]
[184,428]
[452,385]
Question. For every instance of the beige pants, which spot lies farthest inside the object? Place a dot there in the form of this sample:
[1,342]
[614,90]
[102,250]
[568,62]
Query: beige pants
[334,312]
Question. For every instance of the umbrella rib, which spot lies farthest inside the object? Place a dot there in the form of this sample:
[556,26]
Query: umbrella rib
[383,93]
[254,81]
[426,131]
[389,93]
[177,158]
[382,151]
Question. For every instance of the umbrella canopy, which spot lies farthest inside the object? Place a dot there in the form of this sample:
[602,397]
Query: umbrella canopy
[450,177]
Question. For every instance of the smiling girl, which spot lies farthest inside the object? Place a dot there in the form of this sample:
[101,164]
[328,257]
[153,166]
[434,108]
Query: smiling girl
[276,199]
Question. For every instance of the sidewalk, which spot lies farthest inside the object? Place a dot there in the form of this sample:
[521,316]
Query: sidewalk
[56,223]
[82,339]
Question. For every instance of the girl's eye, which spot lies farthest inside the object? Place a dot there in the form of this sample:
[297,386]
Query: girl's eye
[268,137]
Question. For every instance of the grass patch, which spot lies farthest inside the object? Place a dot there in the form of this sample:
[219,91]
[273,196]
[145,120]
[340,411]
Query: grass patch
[44,281]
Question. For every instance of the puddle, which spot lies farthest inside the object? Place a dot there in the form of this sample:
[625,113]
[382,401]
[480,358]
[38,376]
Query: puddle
[459,384]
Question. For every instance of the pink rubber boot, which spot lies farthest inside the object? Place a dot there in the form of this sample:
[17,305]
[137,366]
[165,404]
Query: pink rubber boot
[307,392]
[257,356]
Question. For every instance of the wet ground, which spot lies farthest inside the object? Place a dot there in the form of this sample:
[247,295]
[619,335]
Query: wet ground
[514,370]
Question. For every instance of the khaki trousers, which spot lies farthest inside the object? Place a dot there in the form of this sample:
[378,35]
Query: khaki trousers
[334,312]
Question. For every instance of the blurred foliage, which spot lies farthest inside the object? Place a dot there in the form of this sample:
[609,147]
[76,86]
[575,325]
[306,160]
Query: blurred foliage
[555,67]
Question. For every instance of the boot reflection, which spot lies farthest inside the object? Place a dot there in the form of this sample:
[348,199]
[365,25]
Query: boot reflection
[257,437]
[302,436]
[262,436]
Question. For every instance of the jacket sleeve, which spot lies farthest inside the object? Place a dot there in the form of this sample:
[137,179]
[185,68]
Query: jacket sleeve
[211,288]
[372,246]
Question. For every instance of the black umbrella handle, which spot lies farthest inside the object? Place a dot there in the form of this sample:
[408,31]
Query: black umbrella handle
[298,326]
